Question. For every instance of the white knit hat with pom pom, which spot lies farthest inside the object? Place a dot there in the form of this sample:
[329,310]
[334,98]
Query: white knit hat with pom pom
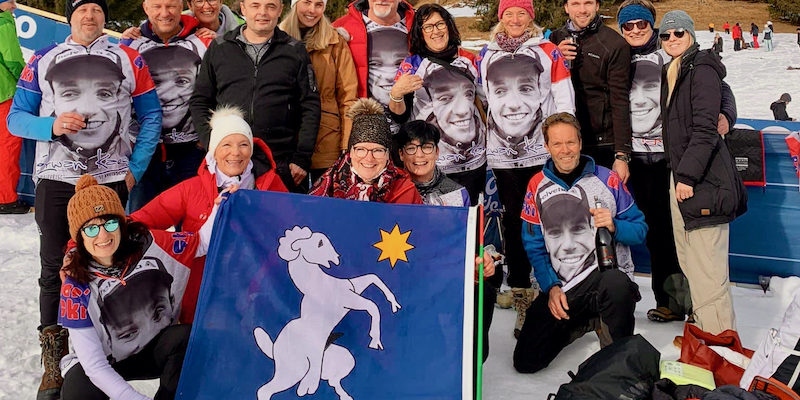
[225,121]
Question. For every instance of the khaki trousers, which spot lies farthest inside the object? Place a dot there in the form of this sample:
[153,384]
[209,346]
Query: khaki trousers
[703,256]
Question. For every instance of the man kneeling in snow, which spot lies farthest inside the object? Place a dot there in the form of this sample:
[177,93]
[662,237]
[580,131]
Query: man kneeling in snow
[559,226]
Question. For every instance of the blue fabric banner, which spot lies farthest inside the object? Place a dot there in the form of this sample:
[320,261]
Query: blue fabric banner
[331,299]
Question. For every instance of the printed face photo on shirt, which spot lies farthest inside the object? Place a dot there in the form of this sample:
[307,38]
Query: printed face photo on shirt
[134,313]
[645,98]
[174,71]
[514,96]
[452,99]
[568,233]
[387,49]
[89,86]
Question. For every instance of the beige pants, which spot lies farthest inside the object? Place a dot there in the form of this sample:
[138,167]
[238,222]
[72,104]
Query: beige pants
[703,256]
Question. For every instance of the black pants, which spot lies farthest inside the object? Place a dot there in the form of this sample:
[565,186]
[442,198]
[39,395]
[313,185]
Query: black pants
[171,164]
[737,44]
[602,155]
[161,358]
[611,295]
[511,187]
[474,181]
[649,183]
[51,218]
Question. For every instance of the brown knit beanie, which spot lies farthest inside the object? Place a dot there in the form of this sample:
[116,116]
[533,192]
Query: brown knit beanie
[369,124]
[90,201]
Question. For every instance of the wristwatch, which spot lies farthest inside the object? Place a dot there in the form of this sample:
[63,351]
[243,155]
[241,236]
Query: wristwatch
[623,157]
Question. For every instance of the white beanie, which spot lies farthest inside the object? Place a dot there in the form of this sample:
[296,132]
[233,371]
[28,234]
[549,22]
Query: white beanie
[227,121]
[324,3]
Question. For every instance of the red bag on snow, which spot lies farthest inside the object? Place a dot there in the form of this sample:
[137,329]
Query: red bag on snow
[695,351]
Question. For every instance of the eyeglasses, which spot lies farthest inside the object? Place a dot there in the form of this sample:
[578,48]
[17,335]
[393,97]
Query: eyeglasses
[628,26]
[411,149]
[361,152]
[440,26]
[677,32]
[94,229]
[199,3]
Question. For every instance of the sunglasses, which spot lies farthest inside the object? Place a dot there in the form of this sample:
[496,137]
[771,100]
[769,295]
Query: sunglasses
[677,32]
[628,26]
[94,229]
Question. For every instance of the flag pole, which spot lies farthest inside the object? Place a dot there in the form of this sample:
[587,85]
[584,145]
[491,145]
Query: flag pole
[479,304]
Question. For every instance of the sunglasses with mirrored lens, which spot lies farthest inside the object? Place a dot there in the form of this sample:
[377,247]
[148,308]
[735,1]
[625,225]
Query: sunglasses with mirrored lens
[94,229]
[677,32]
[628,26]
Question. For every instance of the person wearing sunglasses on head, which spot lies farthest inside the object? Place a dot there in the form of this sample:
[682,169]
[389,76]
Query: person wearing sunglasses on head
[120,298]
[366,171]
[706,191]
[650,175]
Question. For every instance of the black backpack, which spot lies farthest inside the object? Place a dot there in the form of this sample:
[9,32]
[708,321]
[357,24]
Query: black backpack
[626,369]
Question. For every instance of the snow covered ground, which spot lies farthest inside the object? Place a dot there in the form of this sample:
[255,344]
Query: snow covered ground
[757,77]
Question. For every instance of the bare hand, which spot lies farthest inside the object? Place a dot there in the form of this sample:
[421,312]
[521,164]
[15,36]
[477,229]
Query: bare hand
[205,33]
[603,218]
[568,49]
[558,303]
[621,168]
[230,189]
[68,123]
[488,265]
[133,33]
[405,84]
[683,192]
[130,181]
[723,127]
[298,174]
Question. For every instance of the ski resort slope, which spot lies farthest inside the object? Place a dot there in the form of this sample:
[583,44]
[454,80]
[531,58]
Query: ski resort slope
[757,77]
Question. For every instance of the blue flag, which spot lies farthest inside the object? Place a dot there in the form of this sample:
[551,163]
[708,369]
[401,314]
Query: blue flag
[329,298]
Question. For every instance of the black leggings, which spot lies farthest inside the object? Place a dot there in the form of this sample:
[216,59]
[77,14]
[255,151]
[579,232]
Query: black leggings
[161,358]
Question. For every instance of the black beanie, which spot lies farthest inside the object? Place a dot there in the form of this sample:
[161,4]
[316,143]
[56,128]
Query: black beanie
[73,4]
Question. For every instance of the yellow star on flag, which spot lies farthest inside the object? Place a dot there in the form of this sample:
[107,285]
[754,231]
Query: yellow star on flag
[393,245]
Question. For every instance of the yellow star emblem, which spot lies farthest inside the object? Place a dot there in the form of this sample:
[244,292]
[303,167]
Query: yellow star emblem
[393,245]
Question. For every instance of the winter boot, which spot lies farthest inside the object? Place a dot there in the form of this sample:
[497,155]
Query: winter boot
[504,299]
[54,347]
[522,297]
[16,207]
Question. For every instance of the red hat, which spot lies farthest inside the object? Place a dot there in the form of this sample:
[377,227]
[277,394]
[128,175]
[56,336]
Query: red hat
[526,5]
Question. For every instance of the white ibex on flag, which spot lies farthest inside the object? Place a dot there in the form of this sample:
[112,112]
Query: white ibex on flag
[302,350]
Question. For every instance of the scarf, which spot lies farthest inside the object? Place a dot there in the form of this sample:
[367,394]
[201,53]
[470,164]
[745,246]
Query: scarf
[245,181]
[448,54]
[509,44]
[426,188]
[341,182]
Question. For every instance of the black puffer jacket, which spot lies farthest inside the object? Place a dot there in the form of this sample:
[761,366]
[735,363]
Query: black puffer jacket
[279,95]
[600,76]
[696,153]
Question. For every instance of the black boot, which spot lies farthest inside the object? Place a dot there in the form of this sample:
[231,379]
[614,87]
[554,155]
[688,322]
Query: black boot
[16,207]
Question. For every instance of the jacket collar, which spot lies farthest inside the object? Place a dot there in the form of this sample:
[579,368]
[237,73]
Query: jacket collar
[593,27]
[549,170]
[278,36]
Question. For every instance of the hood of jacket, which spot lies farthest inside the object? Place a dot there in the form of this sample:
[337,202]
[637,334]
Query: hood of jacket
[694,57]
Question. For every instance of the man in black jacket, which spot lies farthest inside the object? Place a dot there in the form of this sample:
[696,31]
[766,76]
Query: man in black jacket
[264,71]
[600,74]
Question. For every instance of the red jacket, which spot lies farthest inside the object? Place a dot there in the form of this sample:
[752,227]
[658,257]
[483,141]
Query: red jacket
[403,191]
[353,23]
[736,32]
[189,204]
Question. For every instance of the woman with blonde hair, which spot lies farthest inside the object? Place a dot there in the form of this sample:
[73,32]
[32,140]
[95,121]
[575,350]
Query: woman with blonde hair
[336,78]
[706,192]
